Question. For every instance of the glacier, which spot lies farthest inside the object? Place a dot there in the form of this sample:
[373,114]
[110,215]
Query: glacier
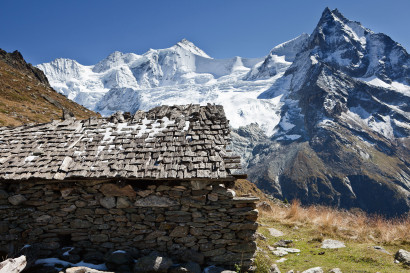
[181,74]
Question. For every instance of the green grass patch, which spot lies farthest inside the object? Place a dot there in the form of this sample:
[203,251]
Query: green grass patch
[355,257]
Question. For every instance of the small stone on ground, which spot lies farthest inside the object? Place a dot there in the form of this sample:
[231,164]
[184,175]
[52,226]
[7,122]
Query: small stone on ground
[314,270]
[275,233]
[381,249]
[403,256]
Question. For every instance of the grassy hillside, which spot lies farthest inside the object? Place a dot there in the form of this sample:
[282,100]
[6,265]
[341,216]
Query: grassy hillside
[308,226]
[26,98]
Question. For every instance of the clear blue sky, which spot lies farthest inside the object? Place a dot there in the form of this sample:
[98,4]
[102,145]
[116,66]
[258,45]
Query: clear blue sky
[89,30]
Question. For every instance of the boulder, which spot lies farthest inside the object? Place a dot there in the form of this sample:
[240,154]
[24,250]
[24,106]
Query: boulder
[13,265]
[403,256]
[152,263]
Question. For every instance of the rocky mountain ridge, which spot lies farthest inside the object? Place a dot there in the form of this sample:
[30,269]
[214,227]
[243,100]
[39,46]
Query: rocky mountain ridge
[27,97]
[323,118]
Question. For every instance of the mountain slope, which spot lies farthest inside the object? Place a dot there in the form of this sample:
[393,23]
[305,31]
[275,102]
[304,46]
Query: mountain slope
[26,96]
[323,118]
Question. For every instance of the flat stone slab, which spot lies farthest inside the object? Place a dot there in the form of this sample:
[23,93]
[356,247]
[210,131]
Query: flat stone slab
[332,244]
[275,233]
[289,250]
[381,249]
[282,251]
[279,253]
[244,200]
[314,270]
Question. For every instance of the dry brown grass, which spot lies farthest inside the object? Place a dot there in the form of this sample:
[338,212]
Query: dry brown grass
[22,100]
[344,224]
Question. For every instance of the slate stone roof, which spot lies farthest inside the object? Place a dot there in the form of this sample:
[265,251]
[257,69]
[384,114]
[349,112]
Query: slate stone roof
[167,142]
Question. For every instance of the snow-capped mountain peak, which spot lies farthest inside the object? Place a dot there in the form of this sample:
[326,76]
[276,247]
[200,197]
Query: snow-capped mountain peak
[278,59]
[358,51]
[115,59]
[189,46]
[334,28]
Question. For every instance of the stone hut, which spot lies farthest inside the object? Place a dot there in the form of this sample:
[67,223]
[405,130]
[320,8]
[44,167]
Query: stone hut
[157,180]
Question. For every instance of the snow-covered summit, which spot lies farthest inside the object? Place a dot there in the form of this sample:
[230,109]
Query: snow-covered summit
[115,59]
[278,59]
[358,51]
[189,46]
[342,71]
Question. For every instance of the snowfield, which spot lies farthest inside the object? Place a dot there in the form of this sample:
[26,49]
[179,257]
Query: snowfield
[181,74]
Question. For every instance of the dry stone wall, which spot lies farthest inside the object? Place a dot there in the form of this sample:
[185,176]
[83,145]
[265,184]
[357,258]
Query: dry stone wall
[201,220]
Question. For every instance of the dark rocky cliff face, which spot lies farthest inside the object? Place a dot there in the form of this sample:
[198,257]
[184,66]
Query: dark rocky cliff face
[16,60]
[350,144]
